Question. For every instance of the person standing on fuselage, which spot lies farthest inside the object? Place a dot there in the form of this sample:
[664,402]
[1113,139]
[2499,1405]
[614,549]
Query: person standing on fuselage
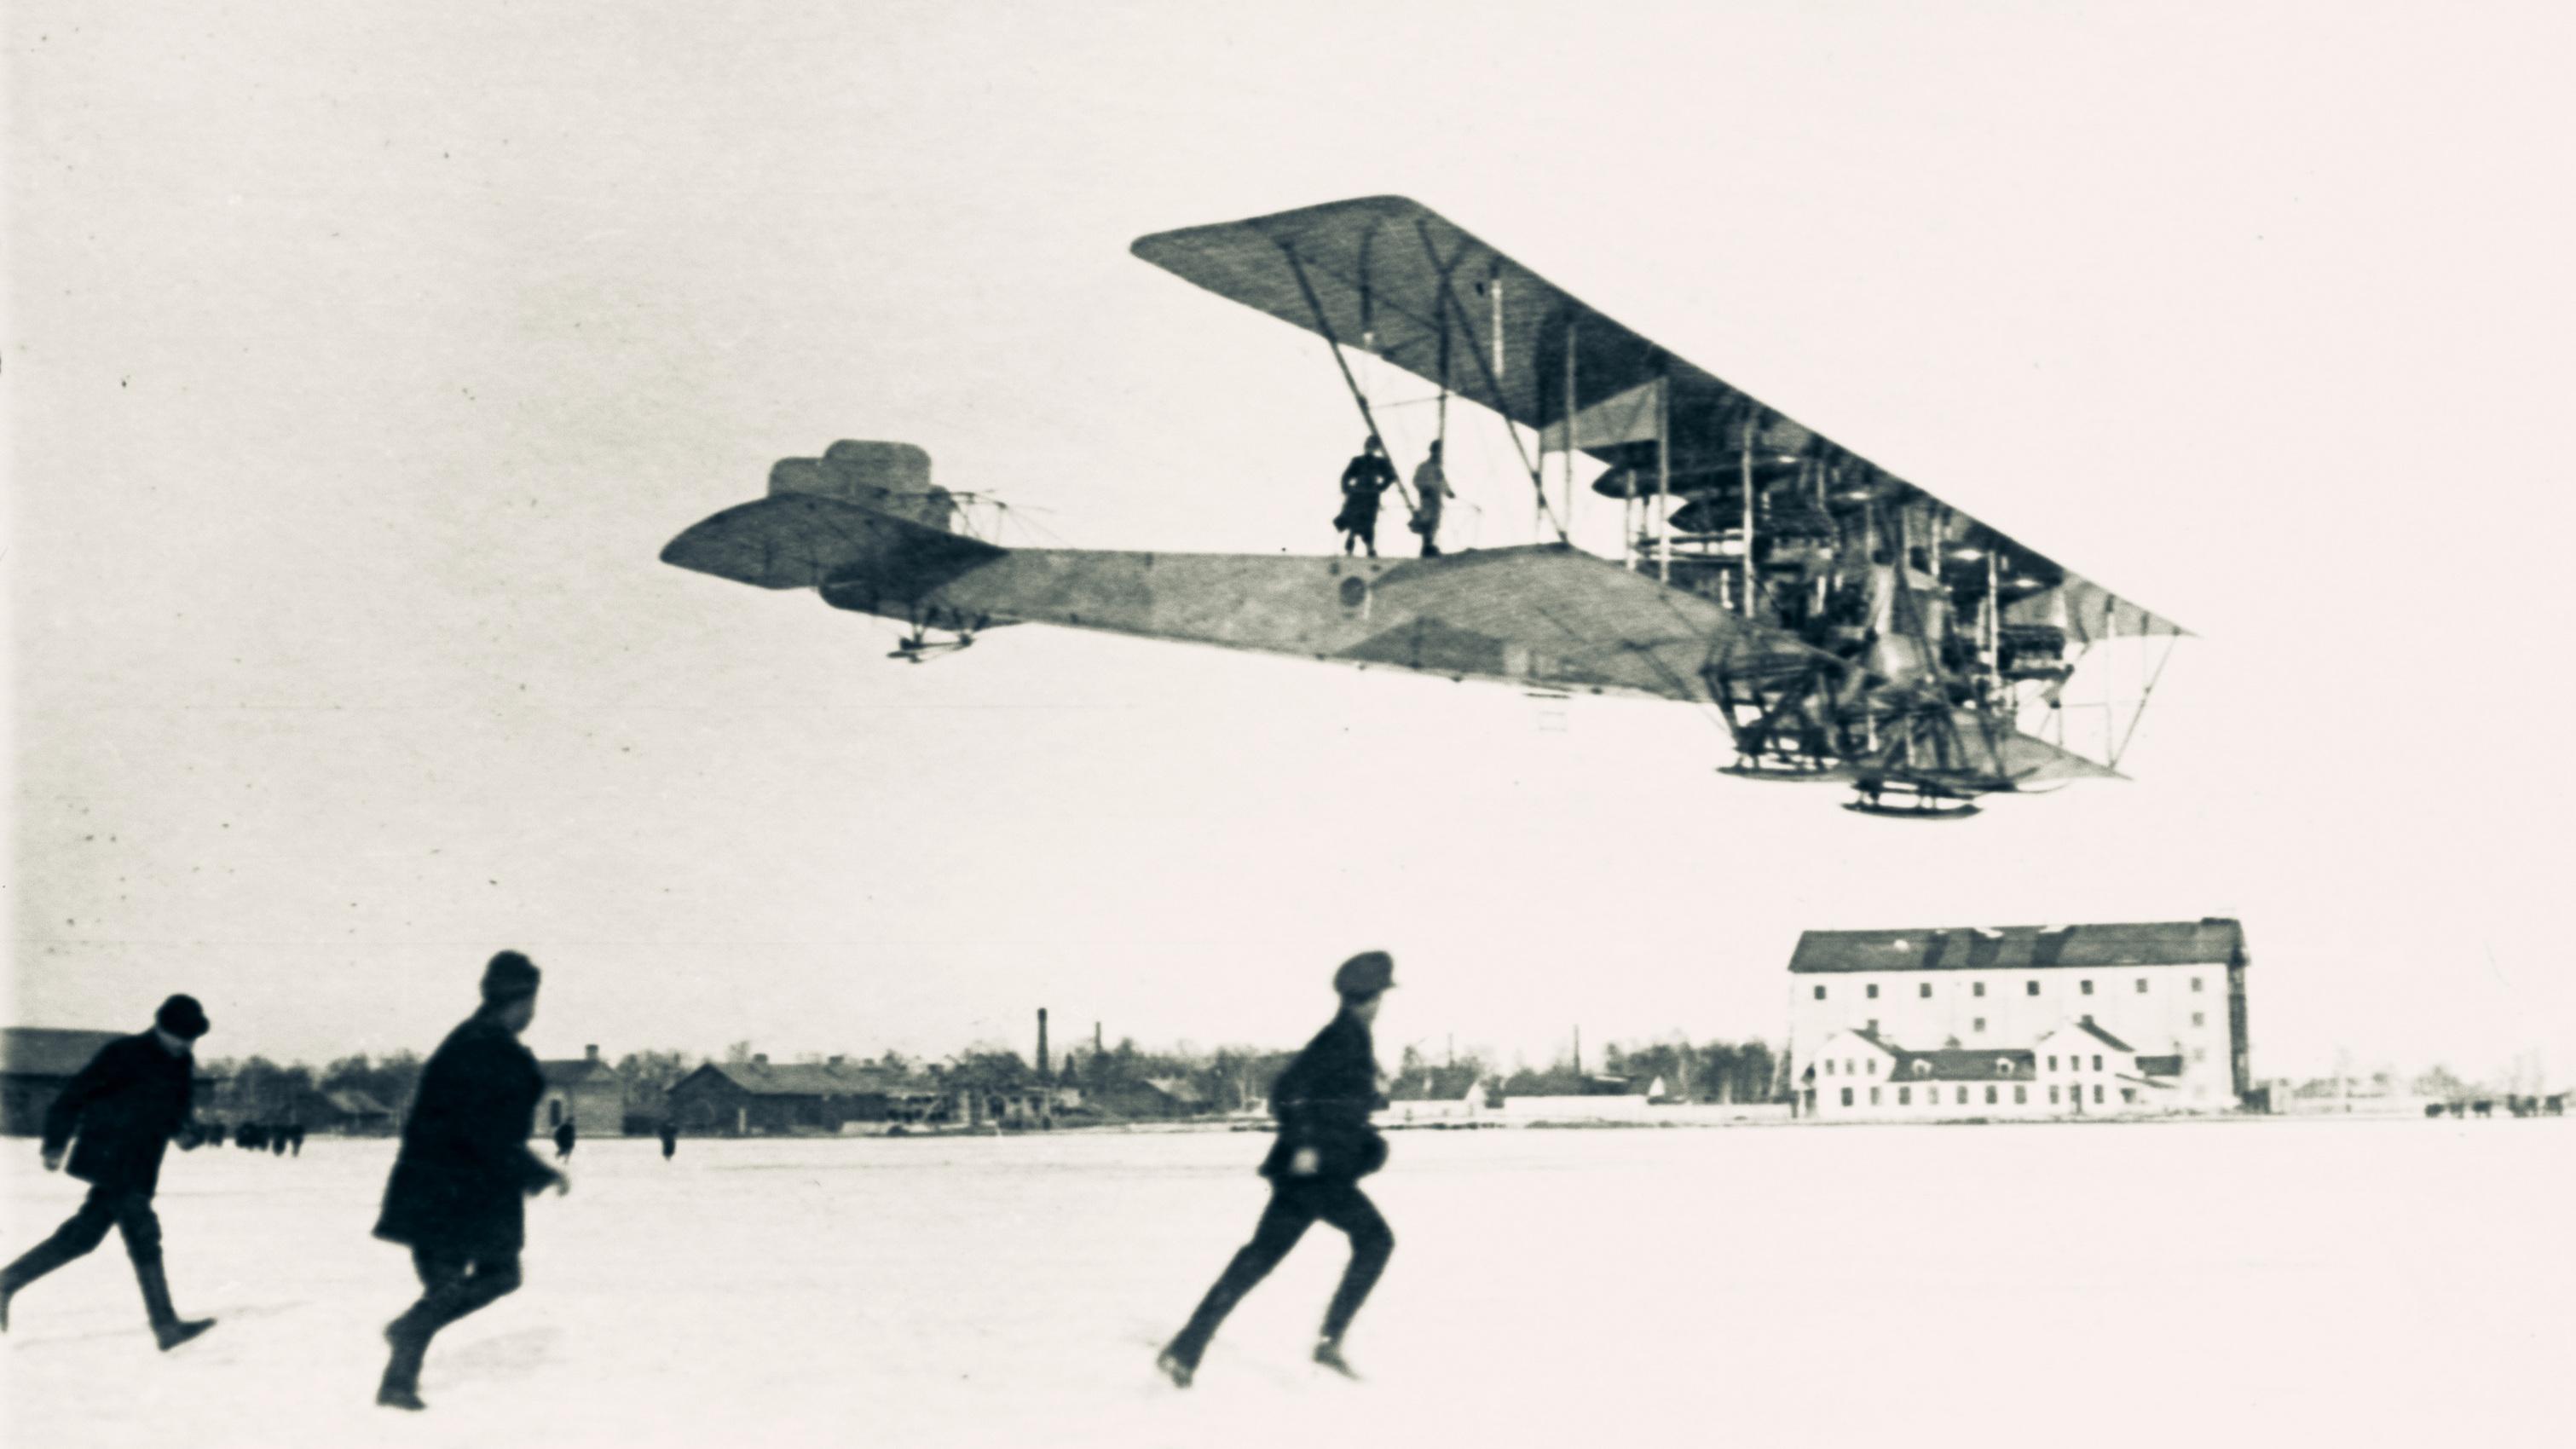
[125,1107]
[1363,482]
[1431,492]
[454,1197]
[1325,1146]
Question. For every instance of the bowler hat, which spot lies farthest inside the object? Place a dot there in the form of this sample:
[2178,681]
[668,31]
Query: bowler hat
[182,1017]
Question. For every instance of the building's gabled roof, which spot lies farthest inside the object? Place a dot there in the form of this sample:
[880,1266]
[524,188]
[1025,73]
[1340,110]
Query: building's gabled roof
[1434,1084]
[1959,1064]
[2167,1066]
[53,1051]
[2095,1033]
[2211,941]
[810,1079]
[1178,1090]
[1867,1035]
[576,1071]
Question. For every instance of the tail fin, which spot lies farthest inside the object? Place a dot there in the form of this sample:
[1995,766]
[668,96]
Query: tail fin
[890,478]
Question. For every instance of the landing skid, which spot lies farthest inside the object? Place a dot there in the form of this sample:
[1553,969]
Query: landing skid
[1922,808]
[921,651]
[1910,800]
[1789,774]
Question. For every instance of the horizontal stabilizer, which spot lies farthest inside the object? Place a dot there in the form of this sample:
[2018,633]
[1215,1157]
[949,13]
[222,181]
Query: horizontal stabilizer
[799,540]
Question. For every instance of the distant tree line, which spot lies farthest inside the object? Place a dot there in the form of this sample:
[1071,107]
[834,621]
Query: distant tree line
[1229,1078]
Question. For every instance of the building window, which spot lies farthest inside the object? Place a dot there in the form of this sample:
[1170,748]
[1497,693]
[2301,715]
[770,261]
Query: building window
[1905,1096]
[1980,1025]
[2052,1096]
[1922,1068]
[1977,989]
[2097,1093]
[2030,987]
[1820,993]
[2195,983]
[2021,1096]
[2085,986]
[2200,1018]
[2199,1054]
[1873,1066]
[2129,1095]
[1873,1096]
[1924,990]
[1871,991]
[1990,1096]
[1873,1031]
[2003,1066]
[1847,1096]
[2052,1064]
[1963,1096]
[2142,986]
[2097,1062]
[1850,1068]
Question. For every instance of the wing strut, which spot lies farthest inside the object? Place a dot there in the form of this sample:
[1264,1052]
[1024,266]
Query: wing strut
[1449,302]
[2145,694]
[1353,383]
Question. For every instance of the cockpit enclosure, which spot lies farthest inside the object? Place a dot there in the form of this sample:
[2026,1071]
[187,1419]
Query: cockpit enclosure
[1909,648]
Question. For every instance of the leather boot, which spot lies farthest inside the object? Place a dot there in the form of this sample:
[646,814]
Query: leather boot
[400,1387]
[168,1328]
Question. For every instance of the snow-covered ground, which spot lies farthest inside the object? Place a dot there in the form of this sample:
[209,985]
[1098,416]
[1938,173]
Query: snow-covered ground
[2170,1284]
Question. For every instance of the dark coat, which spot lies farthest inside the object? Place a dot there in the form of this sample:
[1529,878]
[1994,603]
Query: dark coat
[460,1180]
[1323,1100]
[126,1105]
[1367,476]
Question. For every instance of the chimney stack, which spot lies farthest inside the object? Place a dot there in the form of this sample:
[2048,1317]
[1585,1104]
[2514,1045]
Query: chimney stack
[760,1059]
[1095,1039]
[1042,1051]
[590,1053]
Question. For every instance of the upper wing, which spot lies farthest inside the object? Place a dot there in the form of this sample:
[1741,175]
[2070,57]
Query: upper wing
[1391,276]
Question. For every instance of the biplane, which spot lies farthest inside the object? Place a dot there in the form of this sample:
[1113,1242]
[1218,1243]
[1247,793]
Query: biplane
[1845,625]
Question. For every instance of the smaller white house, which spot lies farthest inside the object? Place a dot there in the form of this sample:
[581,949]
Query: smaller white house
[2075,1070]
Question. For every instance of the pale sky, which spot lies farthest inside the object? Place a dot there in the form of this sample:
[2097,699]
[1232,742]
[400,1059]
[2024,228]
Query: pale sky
[360,359]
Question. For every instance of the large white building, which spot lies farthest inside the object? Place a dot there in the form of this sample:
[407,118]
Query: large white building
[2020,1021]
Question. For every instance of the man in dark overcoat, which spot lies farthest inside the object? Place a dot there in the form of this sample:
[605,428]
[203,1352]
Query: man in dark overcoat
[124,1108]
[1325,1146]
[455,1197]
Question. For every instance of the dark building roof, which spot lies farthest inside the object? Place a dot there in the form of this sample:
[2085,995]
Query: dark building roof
[2160,1066]
[1958,1064]
[576,1071]
[350,1102]
[807,1079]
[50,1051]
[2211,941]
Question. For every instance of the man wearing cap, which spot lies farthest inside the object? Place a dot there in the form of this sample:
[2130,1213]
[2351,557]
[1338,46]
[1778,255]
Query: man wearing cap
[1325,1146]
[125,1107]
[455,1195]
